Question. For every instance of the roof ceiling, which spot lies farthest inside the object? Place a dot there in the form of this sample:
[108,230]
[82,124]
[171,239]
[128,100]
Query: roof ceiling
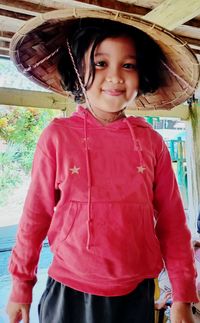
[180,16]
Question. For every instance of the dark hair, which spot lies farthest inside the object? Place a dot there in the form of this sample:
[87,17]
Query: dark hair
[90,31]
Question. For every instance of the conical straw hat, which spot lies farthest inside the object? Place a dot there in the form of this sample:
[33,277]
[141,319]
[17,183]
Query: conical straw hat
[35,51]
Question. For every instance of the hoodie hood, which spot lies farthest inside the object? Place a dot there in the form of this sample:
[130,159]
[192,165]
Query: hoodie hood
[81,112]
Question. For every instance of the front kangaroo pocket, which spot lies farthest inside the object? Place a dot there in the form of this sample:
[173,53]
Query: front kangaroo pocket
[73,231]
[68,221]
[123,232]
[119,233]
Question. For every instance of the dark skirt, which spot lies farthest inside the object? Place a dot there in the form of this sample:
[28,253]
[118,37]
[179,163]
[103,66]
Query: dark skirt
[61,304]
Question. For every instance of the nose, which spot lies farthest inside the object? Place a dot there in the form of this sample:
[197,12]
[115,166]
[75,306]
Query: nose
[113,76]
[114,80]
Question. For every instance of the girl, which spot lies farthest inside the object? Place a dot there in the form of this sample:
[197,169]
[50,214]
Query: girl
[102,187]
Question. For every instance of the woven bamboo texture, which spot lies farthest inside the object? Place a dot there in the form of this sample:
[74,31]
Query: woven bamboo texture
[35,51]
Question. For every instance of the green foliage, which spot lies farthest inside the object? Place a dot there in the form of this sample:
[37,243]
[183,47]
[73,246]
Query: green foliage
[10,172]
[24,125]
[19,132]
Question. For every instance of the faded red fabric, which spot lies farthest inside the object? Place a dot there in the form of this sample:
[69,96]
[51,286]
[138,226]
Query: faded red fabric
[108,200]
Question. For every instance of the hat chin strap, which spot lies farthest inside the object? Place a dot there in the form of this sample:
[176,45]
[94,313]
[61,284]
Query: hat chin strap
[77,74]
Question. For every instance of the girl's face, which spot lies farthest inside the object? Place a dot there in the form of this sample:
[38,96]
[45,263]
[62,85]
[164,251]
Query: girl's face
[116,78]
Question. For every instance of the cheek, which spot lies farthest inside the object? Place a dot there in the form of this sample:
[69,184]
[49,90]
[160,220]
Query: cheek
[95,86]
[92,93]
[134,84]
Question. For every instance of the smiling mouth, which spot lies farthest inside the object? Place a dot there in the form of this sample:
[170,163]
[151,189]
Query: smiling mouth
[113,92]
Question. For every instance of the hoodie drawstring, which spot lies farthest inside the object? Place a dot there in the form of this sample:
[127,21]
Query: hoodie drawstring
[136,143]
[141,168]
[89,182]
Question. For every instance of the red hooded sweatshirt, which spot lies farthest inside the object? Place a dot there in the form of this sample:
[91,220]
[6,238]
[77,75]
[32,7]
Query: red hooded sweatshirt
[107,198]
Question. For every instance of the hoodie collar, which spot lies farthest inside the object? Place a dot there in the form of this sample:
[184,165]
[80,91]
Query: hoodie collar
[81,112]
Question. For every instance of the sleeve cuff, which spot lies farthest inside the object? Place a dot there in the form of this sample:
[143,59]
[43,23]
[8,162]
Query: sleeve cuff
[22,291]
[184,291]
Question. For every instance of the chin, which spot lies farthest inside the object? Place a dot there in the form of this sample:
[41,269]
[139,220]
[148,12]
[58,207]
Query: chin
[112,107]
[112,110]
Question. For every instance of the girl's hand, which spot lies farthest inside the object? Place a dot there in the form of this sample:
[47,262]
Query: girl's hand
[181,313]
[18,312]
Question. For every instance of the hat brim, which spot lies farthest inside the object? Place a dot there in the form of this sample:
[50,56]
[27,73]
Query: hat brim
[43,35]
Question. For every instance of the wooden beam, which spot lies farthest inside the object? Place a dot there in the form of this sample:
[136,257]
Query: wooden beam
[180,111]
[112,4]
[4,44]
[117,5]
[192,41]
[6,35]
[27,98]
[193,23]
[196,51]
[4,53]
[131,8]
[16,5]
[171,14]
[16,15]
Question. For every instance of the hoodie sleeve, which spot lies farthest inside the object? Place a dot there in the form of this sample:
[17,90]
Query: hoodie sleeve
[35,221]
[172,230]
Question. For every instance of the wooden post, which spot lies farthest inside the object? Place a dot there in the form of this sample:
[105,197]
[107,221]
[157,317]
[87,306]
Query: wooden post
[193,165]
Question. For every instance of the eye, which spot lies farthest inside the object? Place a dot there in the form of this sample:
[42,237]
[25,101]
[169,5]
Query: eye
[130,66]
[100,64]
